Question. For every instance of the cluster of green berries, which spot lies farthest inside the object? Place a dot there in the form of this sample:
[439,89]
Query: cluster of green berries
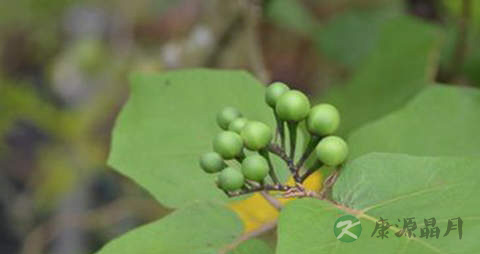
[239,133]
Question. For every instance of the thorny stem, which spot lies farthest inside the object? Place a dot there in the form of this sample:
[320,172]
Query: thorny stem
[323,195]
[291,191]
[271,170]
[301,192]
[266,187]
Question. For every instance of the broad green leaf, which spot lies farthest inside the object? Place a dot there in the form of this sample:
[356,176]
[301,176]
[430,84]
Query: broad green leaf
[441,120]
[350,37]
[198,228]
[169,121]
[291,14]
[252,246]
[399,67]
[391,186]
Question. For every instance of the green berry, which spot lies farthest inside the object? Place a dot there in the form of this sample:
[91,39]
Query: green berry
[212,162]
[231,179]
[256,135]
[273,92]
[226,116]
[255,168]
[332,150]
[238,124]
[228,144]
[293,105]
[323,120]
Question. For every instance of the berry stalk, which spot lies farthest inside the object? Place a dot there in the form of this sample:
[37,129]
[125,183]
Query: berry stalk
[280,129]
[292,130]
[316,165]
[308,150]
[271,171]
[277,150]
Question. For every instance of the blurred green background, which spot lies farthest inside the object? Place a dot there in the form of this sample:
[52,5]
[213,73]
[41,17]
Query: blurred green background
[64,67]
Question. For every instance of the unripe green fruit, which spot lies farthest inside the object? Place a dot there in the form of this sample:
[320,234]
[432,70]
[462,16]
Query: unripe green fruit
[256,135]
[212,162]
[332,150]
[226,116]
[274,91]
[255,168]
[323,120]
[238,124]
[231,179]
[293,105]
[228,144]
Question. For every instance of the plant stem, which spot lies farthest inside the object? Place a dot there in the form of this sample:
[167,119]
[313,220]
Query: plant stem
[328,184]
[280,129]
[273,201]
[316,165]
[308,150]
[250,184]
[266,187]
[292,130]
[277,150]
[273,175]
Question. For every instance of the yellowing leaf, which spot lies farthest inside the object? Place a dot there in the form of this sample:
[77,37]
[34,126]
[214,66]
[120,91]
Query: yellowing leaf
[256,211]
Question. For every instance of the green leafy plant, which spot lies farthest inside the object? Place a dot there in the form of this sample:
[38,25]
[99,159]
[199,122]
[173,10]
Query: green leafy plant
[412,151]
[368,186]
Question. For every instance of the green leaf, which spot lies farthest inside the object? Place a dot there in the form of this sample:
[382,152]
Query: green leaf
[169,121]
[391,186]
[341,39]
[199,228]
[399,68]
[292,15]
[252,246]
[442,120]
